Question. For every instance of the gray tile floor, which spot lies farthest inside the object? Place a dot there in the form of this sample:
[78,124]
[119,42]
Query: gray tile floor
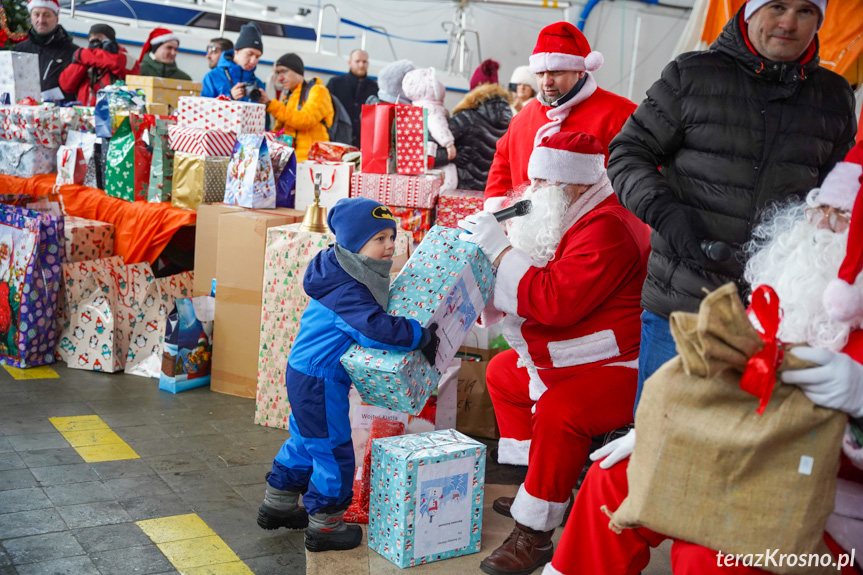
[200,453]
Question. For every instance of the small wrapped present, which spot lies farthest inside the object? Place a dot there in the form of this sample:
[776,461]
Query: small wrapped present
[329,151]
[19,75]
[26,160]
[455,205]
[202,142]
[417,221]
[427,497]
[198,179]
[88,239]
[446,281]
[225,115]
[335,183]
[397,190]
[411,138]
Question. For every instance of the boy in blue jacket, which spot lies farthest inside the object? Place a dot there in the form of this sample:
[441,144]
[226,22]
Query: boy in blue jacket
[348,284]
[236,68]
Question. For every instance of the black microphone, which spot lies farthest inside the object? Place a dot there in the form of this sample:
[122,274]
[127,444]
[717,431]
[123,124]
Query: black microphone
[716,250]
[517,209]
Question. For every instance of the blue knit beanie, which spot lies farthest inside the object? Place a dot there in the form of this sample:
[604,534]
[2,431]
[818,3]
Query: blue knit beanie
[356,220]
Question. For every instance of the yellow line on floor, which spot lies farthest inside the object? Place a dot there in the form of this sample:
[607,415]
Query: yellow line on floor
[93,439]
[41,372]
[192,547]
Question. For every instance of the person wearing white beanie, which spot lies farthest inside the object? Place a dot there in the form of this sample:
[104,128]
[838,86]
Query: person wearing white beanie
[783,30]
[522,86]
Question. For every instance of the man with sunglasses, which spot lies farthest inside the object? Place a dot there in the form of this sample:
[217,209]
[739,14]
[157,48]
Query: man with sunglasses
[100,64]
[215,49]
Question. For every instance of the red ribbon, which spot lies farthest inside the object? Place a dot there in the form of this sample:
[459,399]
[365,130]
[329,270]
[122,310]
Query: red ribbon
[759,377]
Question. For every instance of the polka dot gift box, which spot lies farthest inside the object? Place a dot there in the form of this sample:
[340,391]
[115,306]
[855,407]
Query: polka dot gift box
[446,281]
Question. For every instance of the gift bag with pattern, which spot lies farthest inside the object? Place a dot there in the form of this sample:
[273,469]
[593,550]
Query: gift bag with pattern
[250,174]
[71,165]
[188,347]
[88,145]
[162,165]
[127,171]
[31,253]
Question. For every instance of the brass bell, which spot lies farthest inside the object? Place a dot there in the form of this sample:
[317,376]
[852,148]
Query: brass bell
[315,219]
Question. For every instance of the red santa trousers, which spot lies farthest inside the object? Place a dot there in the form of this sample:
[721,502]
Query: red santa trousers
[579,404]
[589,547]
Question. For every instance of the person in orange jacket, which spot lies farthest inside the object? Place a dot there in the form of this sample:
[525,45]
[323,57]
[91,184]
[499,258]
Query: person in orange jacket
[101,64]
[305,110]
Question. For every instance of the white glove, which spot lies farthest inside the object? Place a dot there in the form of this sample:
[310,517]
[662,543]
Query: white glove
[837,382]
[617,450]
[484,231]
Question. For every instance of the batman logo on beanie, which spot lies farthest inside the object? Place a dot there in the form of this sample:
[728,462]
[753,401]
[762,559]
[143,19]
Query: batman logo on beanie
[383,213]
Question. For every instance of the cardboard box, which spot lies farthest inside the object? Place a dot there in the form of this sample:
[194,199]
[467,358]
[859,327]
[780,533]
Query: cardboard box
[446,281]
[241,245]
[206,237]
[164,90]
[157,109]
[426,497]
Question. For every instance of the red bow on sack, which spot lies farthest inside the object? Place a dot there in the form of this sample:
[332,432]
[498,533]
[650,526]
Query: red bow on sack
[224,98]
[759,377]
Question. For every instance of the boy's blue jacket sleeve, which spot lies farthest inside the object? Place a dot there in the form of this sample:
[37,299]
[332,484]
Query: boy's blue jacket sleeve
[369,325]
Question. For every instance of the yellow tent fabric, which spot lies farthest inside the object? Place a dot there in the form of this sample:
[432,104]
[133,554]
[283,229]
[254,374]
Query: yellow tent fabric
[841,36]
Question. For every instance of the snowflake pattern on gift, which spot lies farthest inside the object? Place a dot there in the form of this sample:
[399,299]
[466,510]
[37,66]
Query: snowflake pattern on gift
[410,140]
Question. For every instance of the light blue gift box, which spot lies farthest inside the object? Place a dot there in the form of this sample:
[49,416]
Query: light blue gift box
[426,497]
[446,280]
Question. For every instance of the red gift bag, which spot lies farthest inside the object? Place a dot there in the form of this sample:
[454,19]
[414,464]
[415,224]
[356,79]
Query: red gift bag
[376,139]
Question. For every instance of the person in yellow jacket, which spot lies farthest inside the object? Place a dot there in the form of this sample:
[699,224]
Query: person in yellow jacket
[305,110]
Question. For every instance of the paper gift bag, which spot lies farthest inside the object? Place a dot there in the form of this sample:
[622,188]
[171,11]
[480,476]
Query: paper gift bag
[427,497]
[335,182]
[198,179]
[87,342]
[376,139]
[19,76]
[154,301]
[114,103]
[31,253]
[250,174]
[475,413]
[284,172]
[71,166]
[411,136]
[162,166]
[446,281]
[87,143]
[188,346]
[759,470]
[128,163]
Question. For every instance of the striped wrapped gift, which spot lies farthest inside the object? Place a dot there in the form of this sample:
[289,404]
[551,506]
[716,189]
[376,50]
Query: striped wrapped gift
[201,142]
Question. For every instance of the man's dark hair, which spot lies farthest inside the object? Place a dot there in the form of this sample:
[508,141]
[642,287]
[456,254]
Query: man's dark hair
[223,43]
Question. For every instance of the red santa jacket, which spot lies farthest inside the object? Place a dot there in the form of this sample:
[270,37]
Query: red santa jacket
[91,70]
[583,307]
[593,111]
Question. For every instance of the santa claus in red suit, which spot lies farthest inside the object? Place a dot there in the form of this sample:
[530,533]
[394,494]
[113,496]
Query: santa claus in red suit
[569,280]
[568,101]
[798,249]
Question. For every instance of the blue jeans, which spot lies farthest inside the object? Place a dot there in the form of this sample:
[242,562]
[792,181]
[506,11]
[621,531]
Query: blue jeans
[657,347]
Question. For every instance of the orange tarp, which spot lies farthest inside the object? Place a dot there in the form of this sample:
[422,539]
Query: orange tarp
[841,36]
[141,230]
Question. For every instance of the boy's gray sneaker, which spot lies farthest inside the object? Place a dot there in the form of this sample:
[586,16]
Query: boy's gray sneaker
[282,509]
[328,532]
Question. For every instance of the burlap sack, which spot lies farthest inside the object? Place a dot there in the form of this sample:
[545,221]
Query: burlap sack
[708,469]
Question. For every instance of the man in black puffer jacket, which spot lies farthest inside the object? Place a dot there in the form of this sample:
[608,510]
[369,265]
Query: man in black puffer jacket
[721,135]
[52,43]
[477,123]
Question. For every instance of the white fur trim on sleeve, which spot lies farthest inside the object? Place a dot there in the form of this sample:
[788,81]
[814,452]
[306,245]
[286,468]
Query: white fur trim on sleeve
[513,266]
[582,350]
[537,513]
[565,167]
[513,451]
[494,203]
[555,61]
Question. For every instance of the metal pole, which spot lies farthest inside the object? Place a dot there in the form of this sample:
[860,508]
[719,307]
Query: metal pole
[320,29]
[72,10]
[634,58]
[222,20]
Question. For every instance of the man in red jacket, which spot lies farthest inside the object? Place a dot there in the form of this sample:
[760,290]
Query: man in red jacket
[100,64]
[570,286]
[568,101]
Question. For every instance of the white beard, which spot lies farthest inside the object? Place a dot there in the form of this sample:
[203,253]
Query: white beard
[538,233]
[798,260]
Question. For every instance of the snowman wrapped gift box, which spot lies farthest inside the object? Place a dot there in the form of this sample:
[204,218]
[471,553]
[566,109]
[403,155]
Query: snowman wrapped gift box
[446,281]
[427,497]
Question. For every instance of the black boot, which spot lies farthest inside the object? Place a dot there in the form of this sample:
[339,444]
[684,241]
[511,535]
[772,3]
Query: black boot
[282,509]
[328,532]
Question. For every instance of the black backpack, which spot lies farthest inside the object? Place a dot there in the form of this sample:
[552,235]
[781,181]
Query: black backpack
[342,130]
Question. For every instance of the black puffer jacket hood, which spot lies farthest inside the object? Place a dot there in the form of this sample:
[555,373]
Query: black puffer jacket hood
[733,133]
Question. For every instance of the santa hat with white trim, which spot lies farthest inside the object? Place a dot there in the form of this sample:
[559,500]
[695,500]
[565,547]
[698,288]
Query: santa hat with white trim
[53,5]
[562,46]
[157,37]
[568,158]
[752,6]
[842,299]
